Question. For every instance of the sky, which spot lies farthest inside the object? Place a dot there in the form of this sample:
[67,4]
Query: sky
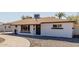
[13,16]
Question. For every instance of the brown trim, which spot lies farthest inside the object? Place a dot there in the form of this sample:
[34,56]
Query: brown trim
[60,22]
[25,24]
[57,28]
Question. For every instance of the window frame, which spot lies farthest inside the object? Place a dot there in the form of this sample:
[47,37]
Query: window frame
[25,28]
[58,26]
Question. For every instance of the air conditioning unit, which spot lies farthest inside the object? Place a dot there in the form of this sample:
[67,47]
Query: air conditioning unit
[36,16]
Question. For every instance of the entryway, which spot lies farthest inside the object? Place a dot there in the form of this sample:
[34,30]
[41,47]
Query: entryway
[38,29]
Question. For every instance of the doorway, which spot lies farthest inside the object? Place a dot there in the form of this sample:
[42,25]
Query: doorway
[38,29]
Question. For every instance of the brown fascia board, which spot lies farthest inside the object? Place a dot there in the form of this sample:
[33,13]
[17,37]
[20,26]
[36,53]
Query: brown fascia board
[60,22]
[48,22]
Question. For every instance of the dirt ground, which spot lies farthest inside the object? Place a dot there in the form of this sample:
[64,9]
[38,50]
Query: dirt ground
[38,41]
[13,41]
[51,43]
[41,41]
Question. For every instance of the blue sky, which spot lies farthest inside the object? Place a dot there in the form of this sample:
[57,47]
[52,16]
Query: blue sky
[13,16]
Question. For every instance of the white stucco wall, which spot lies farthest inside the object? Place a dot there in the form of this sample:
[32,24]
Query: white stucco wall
[47,31]
[13,27]
[65,32]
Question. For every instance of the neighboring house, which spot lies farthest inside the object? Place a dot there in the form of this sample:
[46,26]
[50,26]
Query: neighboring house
[44,27]
[1,27]
[5,27]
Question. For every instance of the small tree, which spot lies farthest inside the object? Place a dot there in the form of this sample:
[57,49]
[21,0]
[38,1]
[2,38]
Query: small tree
[60,15]
[73,18]
[23,17]
[26,17]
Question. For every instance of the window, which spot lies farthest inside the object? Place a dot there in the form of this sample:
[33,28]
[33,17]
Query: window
[16,26]
[9,26]
[25,28]
[57,26]
[34,27]
[54,26]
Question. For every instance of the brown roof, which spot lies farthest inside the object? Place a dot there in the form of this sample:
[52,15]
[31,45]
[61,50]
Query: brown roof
[39,21]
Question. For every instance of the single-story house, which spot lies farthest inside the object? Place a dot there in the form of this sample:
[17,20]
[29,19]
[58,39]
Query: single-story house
[48,26]
[1,27]
[5,27]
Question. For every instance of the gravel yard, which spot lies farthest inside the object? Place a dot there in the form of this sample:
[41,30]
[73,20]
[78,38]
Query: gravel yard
[52,42]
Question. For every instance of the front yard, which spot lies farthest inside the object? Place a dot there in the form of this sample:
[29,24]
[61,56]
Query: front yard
[52,42]
[38,41]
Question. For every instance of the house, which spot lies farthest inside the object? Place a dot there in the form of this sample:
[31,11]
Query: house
[48,26]
[1,26]
[5,27]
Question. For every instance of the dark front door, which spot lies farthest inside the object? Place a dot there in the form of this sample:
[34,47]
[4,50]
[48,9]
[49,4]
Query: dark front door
[38,29]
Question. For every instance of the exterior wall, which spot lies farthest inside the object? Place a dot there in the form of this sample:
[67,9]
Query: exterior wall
[46,30]
[65,32]
[7,29]
[13,27]
[2,28]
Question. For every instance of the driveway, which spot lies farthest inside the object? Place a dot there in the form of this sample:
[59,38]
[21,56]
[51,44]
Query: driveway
[14,41]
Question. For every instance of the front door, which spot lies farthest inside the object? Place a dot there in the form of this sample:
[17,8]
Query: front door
[38,29]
